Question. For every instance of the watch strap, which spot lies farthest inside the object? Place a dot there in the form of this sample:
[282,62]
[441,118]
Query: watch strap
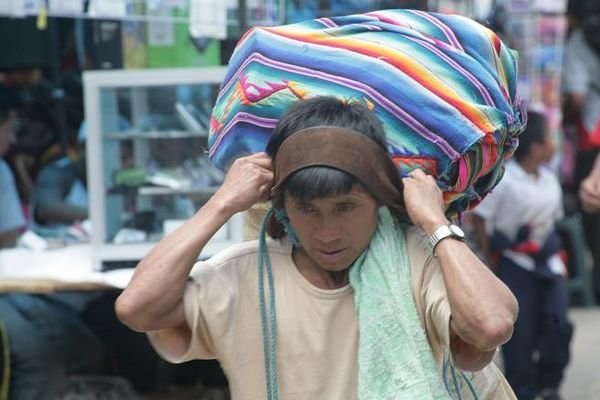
[441,233]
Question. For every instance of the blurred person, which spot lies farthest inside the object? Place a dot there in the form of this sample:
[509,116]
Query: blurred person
[581,112]
[53,337]
[47,340]
[516,230]
[12,219]
[60,197]
[589,189]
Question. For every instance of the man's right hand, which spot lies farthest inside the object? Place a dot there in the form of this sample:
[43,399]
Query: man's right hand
[248,182]
[589,193]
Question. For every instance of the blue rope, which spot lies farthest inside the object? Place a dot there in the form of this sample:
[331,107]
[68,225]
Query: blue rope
[283,219]
[471,387]
[445,374]
[457,386]
[269,341]
[455,381]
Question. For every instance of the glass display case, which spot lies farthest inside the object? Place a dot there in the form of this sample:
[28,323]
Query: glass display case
[147,163]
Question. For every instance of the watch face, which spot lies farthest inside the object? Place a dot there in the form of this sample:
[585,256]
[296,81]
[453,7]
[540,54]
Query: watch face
[456,231]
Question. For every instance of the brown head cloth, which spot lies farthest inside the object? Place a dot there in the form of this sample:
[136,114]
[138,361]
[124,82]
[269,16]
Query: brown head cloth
[345,150]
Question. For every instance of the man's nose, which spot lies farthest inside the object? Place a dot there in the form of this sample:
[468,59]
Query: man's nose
[328,230]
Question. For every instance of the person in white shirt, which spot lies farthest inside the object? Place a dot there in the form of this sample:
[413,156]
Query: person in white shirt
[516,228]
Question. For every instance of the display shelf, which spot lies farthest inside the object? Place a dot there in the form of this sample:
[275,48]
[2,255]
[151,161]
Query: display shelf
[144,182]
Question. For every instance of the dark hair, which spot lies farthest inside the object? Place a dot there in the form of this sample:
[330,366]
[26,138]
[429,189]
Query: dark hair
[317,182]
[535,132]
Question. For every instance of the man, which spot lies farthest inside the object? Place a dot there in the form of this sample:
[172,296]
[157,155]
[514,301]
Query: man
[332,228]
[581,88]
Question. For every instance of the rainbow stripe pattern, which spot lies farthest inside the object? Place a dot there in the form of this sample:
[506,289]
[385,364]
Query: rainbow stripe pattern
[444,87]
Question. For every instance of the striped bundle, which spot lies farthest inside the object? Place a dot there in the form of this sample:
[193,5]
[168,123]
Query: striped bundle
[444,87]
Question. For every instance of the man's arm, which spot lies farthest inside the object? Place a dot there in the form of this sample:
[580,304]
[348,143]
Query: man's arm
[11,214]
[589,190]
[483,310]
[153,299]
[9,238]
[53,185]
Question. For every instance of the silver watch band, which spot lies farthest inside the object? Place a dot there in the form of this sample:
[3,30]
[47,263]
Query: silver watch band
[440,233]
[443,232]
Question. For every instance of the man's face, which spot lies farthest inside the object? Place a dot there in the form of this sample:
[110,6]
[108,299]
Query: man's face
[334,231]
[7,133]
[549,147]
[543,151]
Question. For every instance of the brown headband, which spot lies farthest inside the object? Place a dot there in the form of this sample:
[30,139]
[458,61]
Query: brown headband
[342,149]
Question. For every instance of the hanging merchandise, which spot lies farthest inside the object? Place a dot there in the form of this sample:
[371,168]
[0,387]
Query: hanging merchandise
[160,32]
[108,8]
[461,7]
[133,38]
[273,14]
[33,6]
[66,7]
[536,29]
[550,6]
[208,18]
[263,12]
[169,43]
[204,19]
[42,17]
[14,8]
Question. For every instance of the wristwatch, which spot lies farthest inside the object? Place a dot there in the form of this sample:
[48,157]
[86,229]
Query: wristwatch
[443,232]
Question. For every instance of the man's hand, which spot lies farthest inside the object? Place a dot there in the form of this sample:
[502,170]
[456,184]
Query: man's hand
[248,182]
[424,201]
[589,193]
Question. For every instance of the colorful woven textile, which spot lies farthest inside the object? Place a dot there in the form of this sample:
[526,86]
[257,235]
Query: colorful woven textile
[444,87]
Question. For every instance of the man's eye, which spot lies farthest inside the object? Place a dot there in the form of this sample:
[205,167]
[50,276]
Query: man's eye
[306,209]
[343,208]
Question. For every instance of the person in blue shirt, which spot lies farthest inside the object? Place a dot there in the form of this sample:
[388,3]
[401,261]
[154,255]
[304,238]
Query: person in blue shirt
[12,219]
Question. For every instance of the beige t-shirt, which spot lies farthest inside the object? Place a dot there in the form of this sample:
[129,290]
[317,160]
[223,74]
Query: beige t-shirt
[317,332]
